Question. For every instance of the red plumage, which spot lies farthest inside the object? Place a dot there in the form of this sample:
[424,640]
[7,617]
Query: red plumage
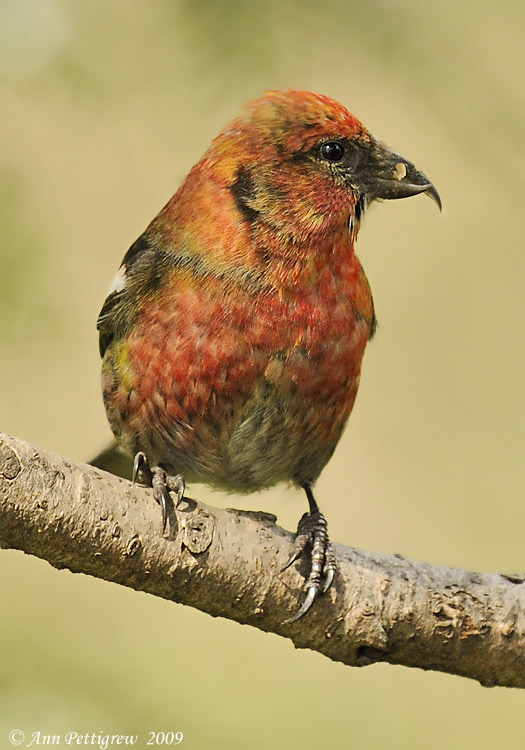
[234,337]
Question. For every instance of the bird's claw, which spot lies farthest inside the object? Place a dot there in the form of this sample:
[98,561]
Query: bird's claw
[162,497]
[313,532]
[161,482]
[141,469]
[310,598]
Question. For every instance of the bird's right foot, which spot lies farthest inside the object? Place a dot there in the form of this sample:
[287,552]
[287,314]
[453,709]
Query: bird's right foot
[312,534]
[162,483]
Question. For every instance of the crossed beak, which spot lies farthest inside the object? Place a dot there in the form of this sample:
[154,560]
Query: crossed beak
[385,175]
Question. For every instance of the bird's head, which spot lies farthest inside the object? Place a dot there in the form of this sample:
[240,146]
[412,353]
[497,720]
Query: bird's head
[300,159]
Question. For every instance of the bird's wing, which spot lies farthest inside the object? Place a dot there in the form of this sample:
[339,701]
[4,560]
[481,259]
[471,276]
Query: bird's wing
[139,271]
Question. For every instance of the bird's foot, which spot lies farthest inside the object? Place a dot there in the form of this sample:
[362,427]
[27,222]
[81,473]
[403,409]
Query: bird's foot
[162,483]
[312,533]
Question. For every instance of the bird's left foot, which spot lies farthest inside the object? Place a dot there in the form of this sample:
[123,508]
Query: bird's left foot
[312,532]
[162,483]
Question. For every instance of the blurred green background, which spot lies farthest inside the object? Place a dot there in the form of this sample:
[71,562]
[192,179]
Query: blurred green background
[105,107]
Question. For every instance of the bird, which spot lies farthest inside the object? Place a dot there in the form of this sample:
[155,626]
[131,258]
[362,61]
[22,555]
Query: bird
[233,334]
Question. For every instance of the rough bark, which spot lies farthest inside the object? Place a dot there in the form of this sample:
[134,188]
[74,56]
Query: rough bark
[228,563]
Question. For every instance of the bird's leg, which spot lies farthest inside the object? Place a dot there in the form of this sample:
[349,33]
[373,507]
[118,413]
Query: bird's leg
[161,482]
[312,532]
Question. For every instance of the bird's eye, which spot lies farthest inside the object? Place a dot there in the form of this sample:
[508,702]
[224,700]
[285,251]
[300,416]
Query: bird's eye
[332,151]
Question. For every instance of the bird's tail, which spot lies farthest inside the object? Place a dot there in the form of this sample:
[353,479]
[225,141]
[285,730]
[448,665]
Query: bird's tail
[114,460]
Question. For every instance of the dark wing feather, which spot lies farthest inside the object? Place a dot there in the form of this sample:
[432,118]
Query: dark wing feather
[119,309]
[106,321]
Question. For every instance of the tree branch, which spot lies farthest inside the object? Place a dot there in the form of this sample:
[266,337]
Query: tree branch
[228,563]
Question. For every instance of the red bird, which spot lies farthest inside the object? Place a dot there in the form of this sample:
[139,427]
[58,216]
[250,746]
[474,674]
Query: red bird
[233,334]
